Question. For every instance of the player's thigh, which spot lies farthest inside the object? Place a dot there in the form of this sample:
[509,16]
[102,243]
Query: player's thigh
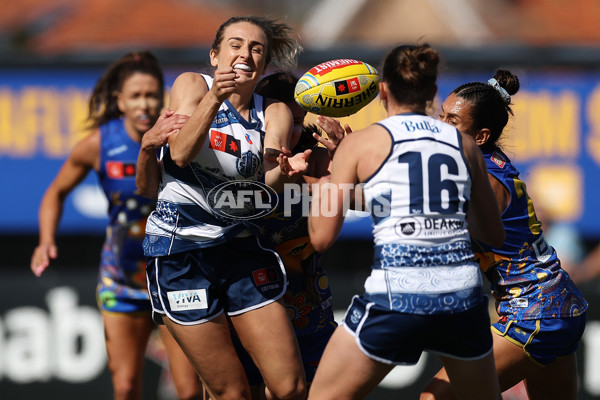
[344,371]
[186,380]
[438,388]
[267,335]
[209,348]
[126,338]
[512,364]
[473,379]
[554,381]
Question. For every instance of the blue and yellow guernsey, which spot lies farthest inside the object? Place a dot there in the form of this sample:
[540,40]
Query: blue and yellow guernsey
[123,265]
[525,273]
[308,298]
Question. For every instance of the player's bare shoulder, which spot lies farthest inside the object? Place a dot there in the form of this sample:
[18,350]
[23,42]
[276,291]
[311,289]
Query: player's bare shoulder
[187,91]
[86,152]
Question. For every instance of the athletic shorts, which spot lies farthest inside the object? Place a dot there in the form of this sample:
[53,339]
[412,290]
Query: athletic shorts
[543,340]
[394,337]
[121,285]
[311,351]
[122,299]
[196,286]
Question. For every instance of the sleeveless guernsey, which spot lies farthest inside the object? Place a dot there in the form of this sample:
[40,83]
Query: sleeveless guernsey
[122,278]
[418,198]
[527,279]
[183,219]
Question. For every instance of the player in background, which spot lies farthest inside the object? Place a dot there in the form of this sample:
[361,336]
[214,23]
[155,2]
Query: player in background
[542,314]
[425,290]
[124,104]
[204,270]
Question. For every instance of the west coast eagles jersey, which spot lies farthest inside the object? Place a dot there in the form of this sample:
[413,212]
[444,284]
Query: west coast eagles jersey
[527,279]
[123,264]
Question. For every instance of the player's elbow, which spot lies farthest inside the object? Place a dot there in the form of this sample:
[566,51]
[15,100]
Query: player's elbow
[320,242]
[146,191]
[181,160]
[320,246]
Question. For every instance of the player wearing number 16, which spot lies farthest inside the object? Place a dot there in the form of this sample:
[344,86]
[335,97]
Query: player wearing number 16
[425,185]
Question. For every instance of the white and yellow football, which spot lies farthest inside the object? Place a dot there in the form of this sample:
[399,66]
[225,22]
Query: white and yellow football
[337,88]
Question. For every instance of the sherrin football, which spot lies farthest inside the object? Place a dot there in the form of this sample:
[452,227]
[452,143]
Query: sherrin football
[337,88]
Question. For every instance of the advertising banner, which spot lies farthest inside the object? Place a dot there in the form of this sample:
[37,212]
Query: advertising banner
[553,138]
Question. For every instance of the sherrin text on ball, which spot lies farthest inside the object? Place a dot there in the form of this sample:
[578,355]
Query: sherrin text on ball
[337,88]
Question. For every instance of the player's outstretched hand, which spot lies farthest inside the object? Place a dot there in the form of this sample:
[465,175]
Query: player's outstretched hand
[293,165]
[40,260]
[335,133]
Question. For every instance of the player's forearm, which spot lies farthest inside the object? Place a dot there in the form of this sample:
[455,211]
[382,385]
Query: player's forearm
[147,177]
[186,144]
[49,217]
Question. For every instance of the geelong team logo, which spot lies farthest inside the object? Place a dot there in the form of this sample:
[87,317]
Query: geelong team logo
[248,164]
[242,200]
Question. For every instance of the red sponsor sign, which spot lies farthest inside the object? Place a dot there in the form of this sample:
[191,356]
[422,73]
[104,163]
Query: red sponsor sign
[264,275]
[353,85]
[225,143]
[218,140]
[119,169]
[498,159]
[329,66]
[115,169]
[260,276]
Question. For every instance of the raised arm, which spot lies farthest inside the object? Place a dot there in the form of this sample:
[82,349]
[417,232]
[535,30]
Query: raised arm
[333,195]
[190,96]
[278,131]
[84,157]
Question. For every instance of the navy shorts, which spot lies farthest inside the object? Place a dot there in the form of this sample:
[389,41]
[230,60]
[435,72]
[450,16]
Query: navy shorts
[543,340]
[394,337]
[196,286]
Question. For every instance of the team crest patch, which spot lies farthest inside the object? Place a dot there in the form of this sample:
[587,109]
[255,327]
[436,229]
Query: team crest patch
[498,159]
[248,164]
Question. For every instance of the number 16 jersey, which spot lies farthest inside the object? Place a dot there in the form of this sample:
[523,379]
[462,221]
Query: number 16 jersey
[418,199]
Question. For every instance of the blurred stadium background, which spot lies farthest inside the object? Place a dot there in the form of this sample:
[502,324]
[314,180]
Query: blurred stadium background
[52,52]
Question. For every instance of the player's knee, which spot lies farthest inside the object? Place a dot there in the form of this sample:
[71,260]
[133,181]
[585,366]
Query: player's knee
[125,389]
[230,392]
[288,389]
[427,396]
[189,394]
[437,390]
